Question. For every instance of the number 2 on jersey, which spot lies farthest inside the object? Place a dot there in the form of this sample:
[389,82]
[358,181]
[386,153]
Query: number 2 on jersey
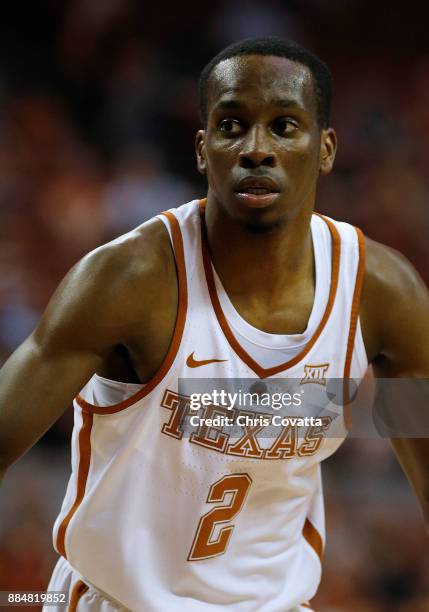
[205,545]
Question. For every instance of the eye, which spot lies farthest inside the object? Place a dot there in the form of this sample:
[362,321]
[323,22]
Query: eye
[284,126]
[230,126]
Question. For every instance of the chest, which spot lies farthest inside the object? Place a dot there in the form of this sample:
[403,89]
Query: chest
[288,315]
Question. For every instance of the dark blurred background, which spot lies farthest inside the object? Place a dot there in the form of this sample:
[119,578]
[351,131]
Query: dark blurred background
[98,111]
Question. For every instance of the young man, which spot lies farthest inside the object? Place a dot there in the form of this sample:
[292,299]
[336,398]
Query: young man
[248,284]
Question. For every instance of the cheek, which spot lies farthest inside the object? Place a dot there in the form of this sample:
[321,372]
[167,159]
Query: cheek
[300,166]
[220,155]
[303,146]
[222,146]
[306,155]
[308,161]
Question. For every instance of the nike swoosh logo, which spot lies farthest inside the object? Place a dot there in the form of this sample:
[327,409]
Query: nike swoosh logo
[191,362]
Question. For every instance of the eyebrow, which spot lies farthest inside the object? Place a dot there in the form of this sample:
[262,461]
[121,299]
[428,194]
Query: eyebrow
[236,104]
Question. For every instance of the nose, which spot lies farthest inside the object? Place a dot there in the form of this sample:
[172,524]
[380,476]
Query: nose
[257,149]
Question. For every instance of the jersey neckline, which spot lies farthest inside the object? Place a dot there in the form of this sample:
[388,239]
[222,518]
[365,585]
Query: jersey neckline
[286,343]
[232,340]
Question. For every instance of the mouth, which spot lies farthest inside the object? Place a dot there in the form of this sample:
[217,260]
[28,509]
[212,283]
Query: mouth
[257,192]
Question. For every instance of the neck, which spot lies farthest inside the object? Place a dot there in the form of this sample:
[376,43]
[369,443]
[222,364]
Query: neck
[266,262]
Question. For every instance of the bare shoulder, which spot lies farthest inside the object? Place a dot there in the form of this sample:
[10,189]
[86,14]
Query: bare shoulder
[141,253]
[387,270]
[395,303]
[113,286]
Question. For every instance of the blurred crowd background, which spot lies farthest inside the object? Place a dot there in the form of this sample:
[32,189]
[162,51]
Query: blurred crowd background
[98,112]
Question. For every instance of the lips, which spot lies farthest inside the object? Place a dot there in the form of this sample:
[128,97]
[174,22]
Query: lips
[257,185]
[257,192]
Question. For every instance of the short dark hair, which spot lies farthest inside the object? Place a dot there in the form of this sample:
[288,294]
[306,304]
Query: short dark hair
[278,47]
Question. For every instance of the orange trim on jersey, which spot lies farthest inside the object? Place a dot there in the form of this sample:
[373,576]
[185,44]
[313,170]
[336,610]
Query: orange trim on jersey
[82,475]
[313,537]
[236,346]
[354,314]
[177,335]
[79,589]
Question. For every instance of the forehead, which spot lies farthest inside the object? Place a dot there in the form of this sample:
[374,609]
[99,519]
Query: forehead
[263,80]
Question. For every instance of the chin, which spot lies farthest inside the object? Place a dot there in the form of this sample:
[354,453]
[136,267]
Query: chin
[263,226]
[259,220]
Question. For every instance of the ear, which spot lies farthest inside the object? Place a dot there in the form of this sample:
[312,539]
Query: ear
[328,149]
[200,151]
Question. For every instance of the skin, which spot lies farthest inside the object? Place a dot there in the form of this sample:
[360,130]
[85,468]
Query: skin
[262,122]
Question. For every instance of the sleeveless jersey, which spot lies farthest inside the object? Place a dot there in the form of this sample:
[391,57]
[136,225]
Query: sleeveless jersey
[165,515]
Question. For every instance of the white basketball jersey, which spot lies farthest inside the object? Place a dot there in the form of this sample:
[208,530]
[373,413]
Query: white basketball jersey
[164,515]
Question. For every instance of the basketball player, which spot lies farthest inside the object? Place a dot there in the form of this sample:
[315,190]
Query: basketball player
[247,284]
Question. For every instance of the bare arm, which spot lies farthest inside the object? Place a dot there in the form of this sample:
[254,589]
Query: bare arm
[396,307]
[83,322]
